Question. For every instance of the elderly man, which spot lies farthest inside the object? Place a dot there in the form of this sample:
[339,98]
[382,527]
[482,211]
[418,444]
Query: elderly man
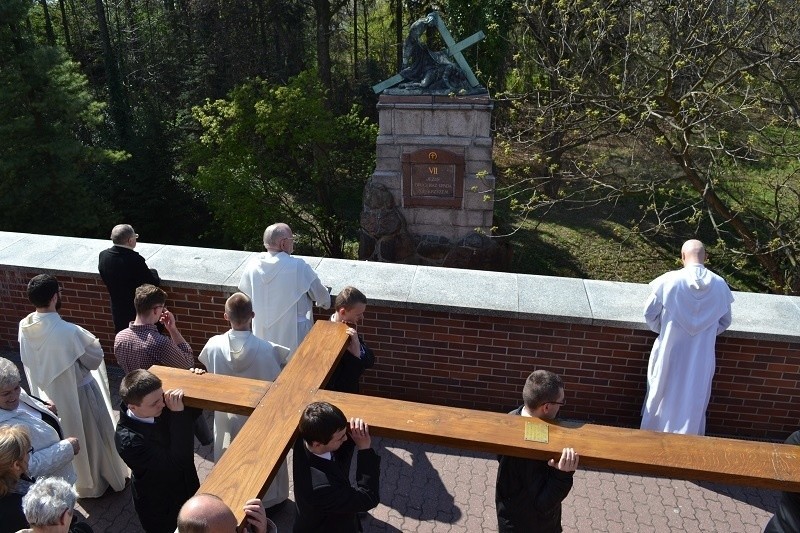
[688,308]
[282,288]
[122,270]
[49,506]
[206,513]
[64,364]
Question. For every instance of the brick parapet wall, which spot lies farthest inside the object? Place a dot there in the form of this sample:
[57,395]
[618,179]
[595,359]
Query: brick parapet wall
[480,361]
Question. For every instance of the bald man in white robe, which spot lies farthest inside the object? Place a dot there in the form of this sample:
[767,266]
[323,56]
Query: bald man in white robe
[282,288]
[688,308]
[238,352]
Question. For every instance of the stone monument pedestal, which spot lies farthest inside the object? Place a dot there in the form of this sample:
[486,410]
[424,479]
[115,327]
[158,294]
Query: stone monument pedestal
[431,198]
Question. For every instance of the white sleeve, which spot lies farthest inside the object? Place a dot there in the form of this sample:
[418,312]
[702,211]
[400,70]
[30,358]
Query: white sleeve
[652,313]
[43,462]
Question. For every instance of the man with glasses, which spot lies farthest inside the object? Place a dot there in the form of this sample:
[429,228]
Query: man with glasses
[282,288]
[141,345]
[529,491]
[122,270]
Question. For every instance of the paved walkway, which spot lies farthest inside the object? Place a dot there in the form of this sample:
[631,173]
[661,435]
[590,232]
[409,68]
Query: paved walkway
[428,488]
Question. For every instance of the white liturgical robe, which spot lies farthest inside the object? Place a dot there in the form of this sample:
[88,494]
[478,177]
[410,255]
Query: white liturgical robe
[688,308]
[64,364]
[282,288]
[242,354]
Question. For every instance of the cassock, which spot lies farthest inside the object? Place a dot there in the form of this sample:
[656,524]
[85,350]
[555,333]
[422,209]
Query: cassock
[64,364]
[282,288]
[688,308]
[242,354]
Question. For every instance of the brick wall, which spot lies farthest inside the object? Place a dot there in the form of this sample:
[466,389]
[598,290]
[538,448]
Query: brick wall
[481,361]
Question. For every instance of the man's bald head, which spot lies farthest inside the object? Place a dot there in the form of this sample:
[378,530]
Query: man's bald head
[693,252]
[278,238]
[206,513]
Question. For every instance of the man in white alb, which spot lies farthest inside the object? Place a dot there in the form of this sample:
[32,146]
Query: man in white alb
[64,365]
[282,288]
[238,352]
[688,308]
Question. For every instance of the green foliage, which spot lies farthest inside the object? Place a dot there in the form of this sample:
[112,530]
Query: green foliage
[272,153]
[47,119]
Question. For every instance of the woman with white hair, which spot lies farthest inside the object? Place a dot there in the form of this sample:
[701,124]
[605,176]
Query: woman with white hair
[49,507]
[52,453]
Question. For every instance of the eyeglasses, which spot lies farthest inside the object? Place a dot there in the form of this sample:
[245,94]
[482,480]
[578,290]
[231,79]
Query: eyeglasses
[157,306]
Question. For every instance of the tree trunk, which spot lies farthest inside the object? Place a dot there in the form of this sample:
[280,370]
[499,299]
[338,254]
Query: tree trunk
[116,90]
[355,39]
[322,9]
[62,6]
[48,24]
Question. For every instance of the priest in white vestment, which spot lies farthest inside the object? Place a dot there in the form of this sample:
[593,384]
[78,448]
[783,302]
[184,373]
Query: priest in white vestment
[688,308]
[282,288]
[238,352]
[64,364]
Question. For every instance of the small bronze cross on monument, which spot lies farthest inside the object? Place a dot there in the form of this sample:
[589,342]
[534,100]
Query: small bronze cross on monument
[453,50]
[249,465]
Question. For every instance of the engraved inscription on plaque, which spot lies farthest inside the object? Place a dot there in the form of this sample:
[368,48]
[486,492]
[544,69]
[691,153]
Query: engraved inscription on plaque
[433,178]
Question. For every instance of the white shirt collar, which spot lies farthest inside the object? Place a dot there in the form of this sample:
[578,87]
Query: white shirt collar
[148,420]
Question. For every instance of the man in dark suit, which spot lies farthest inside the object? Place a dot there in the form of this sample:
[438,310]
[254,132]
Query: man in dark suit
[325,499]
[158,446]
[122,270]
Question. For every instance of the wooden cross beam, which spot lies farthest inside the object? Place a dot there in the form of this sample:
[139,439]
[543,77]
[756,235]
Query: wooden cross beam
[253,458]
[454,50]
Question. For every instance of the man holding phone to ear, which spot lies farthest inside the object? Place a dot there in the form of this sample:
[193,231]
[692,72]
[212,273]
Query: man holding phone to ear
[140,345]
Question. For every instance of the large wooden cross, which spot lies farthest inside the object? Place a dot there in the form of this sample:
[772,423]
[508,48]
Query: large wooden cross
[249,465]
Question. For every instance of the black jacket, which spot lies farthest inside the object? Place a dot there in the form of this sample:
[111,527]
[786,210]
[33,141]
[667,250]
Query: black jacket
[123,270]
[161,459]
[529,494]
[325,499]
[348,372]
[787,516]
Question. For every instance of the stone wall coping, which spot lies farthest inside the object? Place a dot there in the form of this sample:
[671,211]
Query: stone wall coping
[499,294]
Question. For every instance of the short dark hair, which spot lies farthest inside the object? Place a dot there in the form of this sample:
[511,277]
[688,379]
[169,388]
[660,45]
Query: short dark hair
[239,308]
[542,386]
[348,298]
[41,289]
[146,297]
[136,385]
[320,421]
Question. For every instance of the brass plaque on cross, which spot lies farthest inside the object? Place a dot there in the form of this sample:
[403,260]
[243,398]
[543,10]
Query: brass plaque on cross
[537,432]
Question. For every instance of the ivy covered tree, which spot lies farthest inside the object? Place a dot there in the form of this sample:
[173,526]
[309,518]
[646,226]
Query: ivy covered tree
[47,119]
[272,153]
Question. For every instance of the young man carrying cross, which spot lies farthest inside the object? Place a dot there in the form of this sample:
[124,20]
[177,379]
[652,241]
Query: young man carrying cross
[158,446]
[529,492]
[326,501]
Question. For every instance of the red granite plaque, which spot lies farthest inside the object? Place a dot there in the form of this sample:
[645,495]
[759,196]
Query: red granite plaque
[433,178]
